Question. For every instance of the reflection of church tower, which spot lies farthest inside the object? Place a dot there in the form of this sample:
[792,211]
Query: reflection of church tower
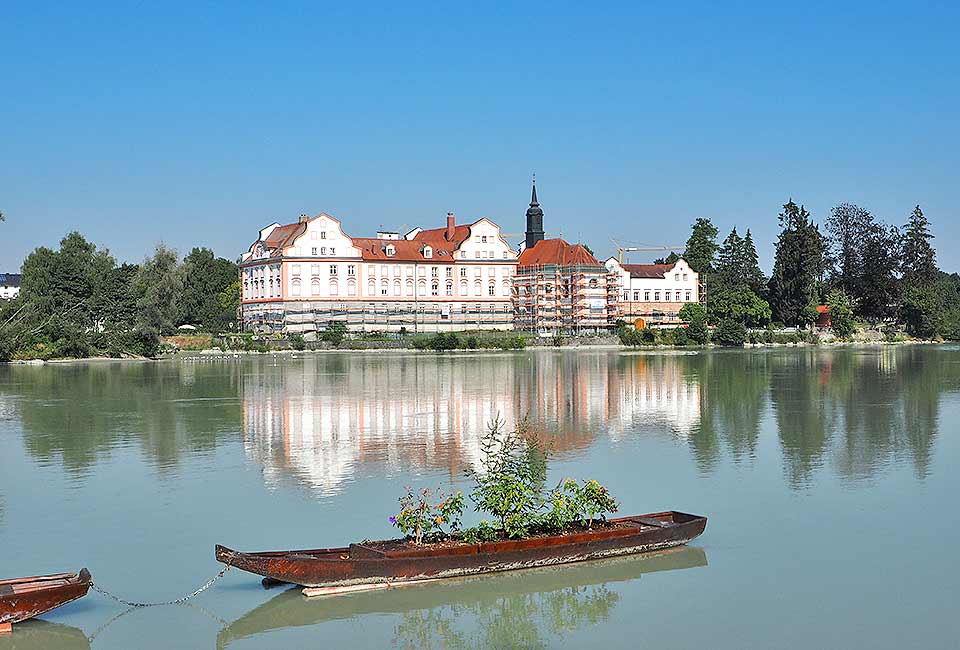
[534,219]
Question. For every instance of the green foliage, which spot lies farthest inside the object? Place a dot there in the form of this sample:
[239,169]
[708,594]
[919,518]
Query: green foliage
[924,310]
[636,337]
[798,266]
[695,315]
[334,333]
[702,246]
[444,341]
[424,514]
[877,288]
[204,277]
[577,503]
[738,303]
[918,257]
[730,333]
[841,313]
[158,285]
[482,532]
[509,485]
[692,311]
[297,341]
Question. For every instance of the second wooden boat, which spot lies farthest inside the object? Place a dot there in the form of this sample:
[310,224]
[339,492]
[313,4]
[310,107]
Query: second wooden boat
[387,562]
[23,598]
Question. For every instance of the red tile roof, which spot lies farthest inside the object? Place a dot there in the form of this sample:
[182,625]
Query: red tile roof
[648,270]
[284,235]
[556,251]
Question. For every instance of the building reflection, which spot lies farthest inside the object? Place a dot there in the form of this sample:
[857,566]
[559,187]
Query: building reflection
[319,419]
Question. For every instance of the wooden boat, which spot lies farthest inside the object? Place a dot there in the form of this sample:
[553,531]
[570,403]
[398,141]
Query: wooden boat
[23,598]
[514,589]
[363,564]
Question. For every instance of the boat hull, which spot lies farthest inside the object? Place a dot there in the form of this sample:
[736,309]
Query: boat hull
[24,598]
[362,564]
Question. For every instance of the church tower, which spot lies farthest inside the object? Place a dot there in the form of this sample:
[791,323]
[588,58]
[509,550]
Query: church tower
[534,219]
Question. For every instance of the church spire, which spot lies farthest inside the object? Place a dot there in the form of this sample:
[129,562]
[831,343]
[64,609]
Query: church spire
[534,218]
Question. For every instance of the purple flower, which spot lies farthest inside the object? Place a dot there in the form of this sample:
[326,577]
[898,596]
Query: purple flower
[393,520]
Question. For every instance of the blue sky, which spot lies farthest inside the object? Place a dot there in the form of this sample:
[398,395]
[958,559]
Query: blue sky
[196,124]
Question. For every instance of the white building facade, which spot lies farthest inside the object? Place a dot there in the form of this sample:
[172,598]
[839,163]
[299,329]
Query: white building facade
[654,293]
[9,286]
[301,277]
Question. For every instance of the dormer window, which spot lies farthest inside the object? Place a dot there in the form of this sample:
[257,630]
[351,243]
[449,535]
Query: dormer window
[427,252]
[391,250]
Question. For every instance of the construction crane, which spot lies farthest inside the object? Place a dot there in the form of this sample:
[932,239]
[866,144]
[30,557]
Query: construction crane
[634,249]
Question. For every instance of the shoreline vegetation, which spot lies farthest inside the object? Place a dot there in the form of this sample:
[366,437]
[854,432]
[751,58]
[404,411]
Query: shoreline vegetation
[859,279]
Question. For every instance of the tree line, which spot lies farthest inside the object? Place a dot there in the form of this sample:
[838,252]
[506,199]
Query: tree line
[77,301]
[861,268]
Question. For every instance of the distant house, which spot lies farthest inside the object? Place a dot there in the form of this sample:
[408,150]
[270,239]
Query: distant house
[655,293]
[823,317]
[9,285]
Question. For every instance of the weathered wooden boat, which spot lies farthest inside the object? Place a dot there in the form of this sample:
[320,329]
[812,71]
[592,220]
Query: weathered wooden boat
[289,609]
[23,598]
[360,564]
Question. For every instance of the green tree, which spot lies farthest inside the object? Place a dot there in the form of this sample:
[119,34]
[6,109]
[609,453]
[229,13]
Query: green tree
[753,275]
[158,286]
[918,257]
[923,310]
[847,227]
[204,277]
[731,333]
[841,312]
[797,268]
[702,246]
[731,271]
[695,315]
[669,259]
[877,288]
[738,303]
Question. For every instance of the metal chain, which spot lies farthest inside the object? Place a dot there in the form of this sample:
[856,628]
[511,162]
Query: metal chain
[178,601]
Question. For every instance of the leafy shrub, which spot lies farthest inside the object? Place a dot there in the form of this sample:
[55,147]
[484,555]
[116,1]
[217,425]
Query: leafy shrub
[297,342]
[512,343]
[731,333]
[482,532]
[444,341]
[577,503]
[510,484]
[334,333]
[472,342]
[841,313]
[426,512]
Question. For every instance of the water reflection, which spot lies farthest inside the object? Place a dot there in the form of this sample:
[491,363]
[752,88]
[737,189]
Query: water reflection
[517,609]
[319,420]
[37,634]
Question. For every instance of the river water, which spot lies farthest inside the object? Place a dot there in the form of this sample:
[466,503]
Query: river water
[829,477]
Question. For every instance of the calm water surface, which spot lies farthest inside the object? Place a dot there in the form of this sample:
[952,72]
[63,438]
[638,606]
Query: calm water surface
[829,476]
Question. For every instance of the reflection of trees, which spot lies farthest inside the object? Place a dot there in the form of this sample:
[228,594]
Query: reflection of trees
[79,412]
[511,621]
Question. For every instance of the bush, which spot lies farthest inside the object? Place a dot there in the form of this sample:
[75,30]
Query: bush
[334,333]
[574,503]
[472,342]
[425,513]
[297,342]
[841,313]
[731,333]
[510,483]
[482,532]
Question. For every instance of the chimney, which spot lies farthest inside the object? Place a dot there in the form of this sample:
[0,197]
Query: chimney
[450,226]
[304,218]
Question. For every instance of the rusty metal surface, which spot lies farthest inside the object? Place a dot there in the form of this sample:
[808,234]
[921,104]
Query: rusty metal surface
[24,598]
[358,565]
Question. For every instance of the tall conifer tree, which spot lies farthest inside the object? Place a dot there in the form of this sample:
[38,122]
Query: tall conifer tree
[797,268]
[751,266]
[918,257]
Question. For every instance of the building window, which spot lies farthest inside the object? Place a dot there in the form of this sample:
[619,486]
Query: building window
[296,287]
[351,286]
[492,289]
[463,273]
[506,288]
[396,287]
[684,277]
[626,296]
[315,287]
[449,271]
[333,251]
[450,288]
[636,296]
[351,269]
[313,251]
[483,239]
[384,287]
[428,252]
[371,288]
[295,269]
[677,297]
[409,287]
[434,289]
[656,295]
[477,288]
[478,254]
[333,269]
[646,296]
[422,287]
[391,251]
[323,250]
[676,277]
[463,288]
[687,297]
[323,234]
[334,289]
[314,269]
[434,271]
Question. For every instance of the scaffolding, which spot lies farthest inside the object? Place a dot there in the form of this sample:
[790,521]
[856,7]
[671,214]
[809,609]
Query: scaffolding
[552,299]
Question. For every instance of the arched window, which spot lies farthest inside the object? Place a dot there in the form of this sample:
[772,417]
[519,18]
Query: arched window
[449,288]
[477,288]
[372,288]
[295,287]
[464,291]
[351,287]
[334,289]
[409,287]
[434,289]
[396,287]
[492,289]
[505,287]
[422,288]
[384,287]
[315,287]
